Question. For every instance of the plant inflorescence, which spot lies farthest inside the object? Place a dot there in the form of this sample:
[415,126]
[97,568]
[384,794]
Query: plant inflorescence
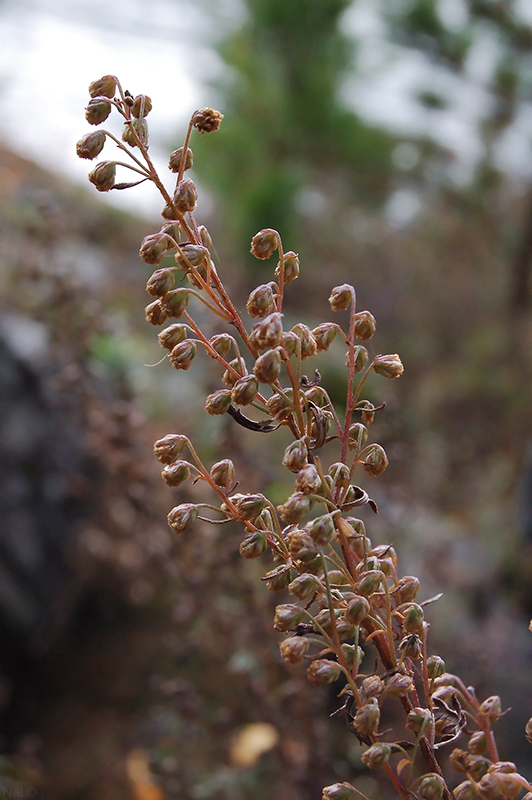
[342,593]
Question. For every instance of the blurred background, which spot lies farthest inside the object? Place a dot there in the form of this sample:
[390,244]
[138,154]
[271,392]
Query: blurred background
[390,143]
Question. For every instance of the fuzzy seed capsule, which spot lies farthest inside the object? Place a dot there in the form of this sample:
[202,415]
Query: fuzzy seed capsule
[341,297]
[177,473]
[218,402]
[357,610]
[221,343]
[410,646]
[248,506]
[322,529]
[156,313]
[368,716]
[264,243]
[104,87]
[294,649]
[377,755]
[175,302]
[172,335]
[365,325]
[290,343]
[375,460]
[324,335]
[207,120]
[261,302]
[280,407]
[176,157]
[182,517]
[372,686]
[291,267]
[431,787]
[90,145]
[97,111]
[308,480]
[358,436]
[301,546]
[309,346]
[305,586]
[399,685]
[237,365]
[223,473]
[294,509]
[245,390]
[361,359]
[153,248]
[339,473]
[190,254]
[278,581]
[369,583]
[142,106]
[406,590]
[296,455]
[388,366]
[413,619]
[435,666]
[186,196]
[138,127]
[103,176]
[169,447]
[321,672]
[268,333]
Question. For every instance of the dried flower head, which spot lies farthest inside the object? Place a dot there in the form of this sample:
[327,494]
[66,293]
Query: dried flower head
[207,120]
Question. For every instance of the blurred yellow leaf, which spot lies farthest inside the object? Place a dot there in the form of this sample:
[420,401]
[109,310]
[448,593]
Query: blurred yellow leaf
[138,771]
[251,742]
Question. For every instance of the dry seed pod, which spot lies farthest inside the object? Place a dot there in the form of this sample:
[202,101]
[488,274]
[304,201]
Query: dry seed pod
[291,267]
[290,343]
[268,366]
[221,343]
[182,355]
[339,473]
[357,610]
[185,196]
[491,708]
[301,546]
[223,473]
[182,517]
[413,618]
[153,248]
[399,685]
[361,359]
[245,390]
[176,157]
[261,302]
[365,325]
[191,253]
[367,718]
[418,720]
[138,127]
[296,455]
[321,529]
[431,787]
[388,366]
[268,333]
[218,402]
[169,447]
[207,120]
[160,282]
[103,176]
[294,649]
[142,106]
[411,646]
[341,297]
[294,509]
[177,473]
[308,480]
[97,111]
[288,616]
[340,791]
[477,743]
[465,791]
[175,302]
[375,460]
[321,672]
[90,145]
[305,586]
[435,667]
[172,335]
[156,313]
[248,506]
[324,335]
[253,545]
[237,365]
[309,346]
[406,590]
[104,87]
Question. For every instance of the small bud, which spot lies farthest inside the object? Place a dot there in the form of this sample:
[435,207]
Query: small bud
[238,365]
[339,473]
[305,586]
[418,720]
[280,407]
[153,248]
[413,619]
[399,685]
[104,87]
[365,325]
[308,480]
[177,473]
[477,743]
[172,335]
[367,718]
[388,366]
[248,506]
[465,791]
[358,435]
[191,253]
[260,302]
[264,243]
[205,236]
[90,145]
[160,282]
[357,610]
[435,666]
[294,649]
[97,111]
[185,196]
[370,583]
[321,672]
[308,342]
[253,545]
[268,366]
[361,359]
[221,343]
[296,455]
[377,755]
[138,127]
[354,655]
[375,460]
[183,354]
[341,297]
[406,590]
[175,159]
[431,787]
[169,212]
[371,686]
[324,335]
[268,333]
[491,708]
[169,447]
[175,302]
[207,120]
[291,267]
[142,106]
[290,343]
[156,313]
[223,473]
[301,546]
[103,176]
[182,517]
[218,402]
[245,390]
[288,616]
[340,791]
[322,529]
[294,509]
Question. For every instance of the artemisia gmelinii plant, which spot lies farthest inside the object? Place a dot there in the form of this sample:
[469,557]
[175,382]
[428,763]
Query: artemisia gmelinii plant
[343,592]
